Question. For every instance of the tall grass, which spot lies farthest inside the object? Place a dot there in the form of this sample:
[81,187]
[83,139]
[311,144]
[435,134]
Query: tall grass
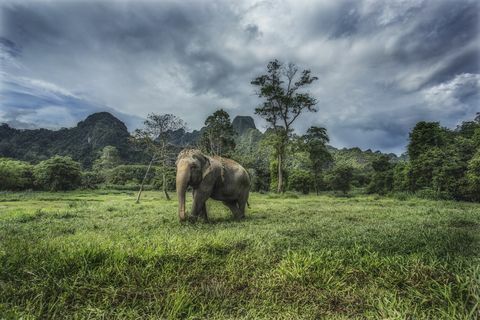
[98,255]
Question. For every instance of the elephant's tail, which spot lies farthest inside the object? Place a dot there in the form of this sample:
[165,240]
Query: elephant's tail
[248,205]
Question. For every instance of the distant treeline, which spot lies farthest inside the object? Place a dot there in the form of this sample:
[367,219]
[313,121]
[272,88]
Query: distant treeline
[441,164]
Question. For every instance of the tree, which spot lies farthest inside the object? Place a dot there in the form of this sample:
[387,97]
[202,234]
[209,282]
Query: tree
[424,136]
[402,177]
[109,158]
[473,177]
[15,175]
[284,102]
[153,138]
[341,178]
[58,174]
[219,137]
[315,141]
[300,180]
[382,178]
[254,155]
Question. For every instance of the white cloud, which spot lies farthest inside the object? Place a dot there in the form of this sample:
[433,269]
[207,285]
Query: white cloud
[457,98]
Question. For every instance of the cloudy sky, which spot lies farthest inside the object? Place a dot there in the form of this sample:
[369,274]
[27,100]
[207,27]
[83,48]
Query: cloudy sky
[382,65]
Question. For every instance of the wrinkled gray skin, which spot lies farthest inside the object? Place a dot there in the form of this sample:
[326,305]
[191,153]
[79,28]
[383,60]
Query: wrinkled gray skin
[211,177]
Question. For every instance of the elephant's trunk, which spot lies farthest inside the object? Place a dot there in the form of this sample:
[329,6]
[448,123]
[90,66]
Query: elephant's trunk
[182,179]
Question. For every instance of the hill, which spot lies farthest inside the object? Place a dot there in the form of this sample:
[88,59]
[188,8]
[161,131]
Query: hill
[243,123]
[183,138]
[358,158]
[82,142]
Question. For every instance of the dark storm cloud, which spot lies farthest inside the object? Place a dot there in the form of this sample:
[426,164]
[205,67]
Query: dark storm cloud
[340,20]
[382,65]
[9,47]
[465,62]
[444,29]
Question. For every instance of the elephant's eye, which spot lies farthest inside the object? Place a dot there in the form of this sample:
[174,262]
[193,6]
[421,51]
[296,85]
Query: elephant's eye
[194,166]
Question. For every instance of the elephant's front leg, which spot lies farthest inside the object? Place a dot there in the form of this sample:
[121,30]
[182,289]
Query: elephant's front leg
[199,208]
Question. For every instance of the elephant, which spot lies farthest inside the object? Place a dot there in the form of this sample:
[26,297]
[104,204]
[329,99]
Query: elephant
[211,177]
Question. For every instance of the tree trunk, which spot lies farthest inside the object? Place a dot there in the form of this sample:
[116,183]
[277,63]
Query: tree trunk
[144,179]
[165,184]
[280,173]
[164,176]
[315,177]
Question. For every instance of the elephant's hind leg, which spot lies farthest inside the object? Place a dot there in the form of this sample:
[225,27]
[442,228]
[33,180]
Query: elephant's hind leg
[203,213]
[241,209]
[233,206]
[242,203]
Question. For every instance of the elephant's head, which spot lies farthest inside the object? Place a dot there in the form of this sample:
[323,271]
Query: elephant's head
[191,167]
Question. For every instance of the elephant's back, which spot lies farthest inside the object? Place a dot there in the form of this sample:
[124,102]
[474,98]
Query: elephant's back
[234,175]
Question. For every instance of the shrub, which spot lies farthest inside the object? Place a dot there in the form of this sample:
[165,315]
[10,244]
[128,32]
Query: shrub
[127,187]
[340,178]
[300,180]
[157,180]
[92,179]
[382,178]
[58,174]
[129,174]
[15,175]
[401,177]
[431,194]
[473,177]
[402,195]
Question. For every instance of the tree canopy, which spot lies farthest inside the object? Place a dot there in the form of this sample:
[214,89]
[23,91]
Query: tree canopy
[283,102]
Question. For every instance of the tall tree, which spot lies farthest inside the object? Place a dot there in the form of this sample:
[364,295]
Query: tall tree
[153,138]
[425,136]
[473,177]
[281,88]
[341,178]
[315,141]
[219,137]
[382,177]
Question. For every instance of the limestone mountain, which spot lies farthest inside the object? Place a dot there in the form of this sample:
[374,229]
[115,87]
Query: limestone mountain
[242,123]
[182,138]
[83,142]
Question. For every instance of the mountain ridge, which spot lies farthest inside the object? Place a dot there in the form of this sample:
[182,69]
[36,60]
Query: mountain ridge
[85,141]
[82,142]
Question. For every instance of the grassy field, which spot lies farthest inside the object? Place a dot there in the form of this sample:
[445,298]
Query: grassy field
[99,255]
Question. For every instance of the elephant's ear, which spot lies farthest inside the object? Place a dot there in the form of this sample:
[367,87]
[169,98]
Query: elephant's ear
[207,168]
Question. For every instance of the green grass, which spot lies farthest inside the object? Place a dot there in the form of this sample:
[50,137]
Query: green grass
[99,255]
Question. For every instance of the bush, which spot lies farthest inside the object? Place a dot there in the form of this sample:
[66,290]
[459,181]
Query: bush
[401,177]
[127,187]
[129,174]
[157,180]
[382,178]
[15,175]
[361,177]
[92,179]
[340,178]
[58,174]
[300,180]
[473,177]
[431,194]
[402,195]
